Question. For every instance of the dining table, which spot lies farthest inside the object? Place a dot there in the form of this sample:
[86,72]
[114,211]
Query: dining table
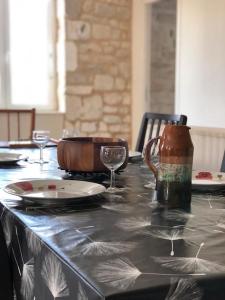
[122,245]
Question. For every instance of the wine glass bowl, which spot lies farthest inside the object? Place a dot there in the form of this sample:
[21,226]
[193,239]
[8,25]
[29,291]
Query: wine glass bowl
[112,157]
[41,138]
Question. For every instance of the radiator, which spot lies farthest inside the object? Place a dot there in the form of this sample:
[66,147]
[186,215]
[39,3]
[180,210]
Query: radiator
[209,146]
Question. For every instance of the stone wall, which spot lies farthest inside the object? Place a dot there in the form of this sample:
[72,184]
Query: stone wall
[98,67]
[163,55]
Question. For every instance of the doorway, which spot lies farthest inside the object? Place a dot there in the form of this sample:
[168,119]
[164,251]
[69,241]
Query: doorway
[162,56]
[150,92]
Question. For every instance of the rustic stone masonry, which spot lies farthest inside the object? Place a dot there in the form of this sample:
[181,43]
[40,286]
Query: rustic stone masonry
[163,53]
[98,67]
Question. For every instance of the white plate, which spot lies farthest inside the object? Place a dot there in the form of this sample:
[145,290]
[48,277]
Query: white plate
[8,157]
[53,191]
[135,155]
[214,182]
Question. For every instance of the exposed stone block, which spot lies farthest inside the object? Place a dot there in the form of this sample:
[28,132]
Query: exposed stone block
[123,13]
[122,53]
[126,98]
[73,108]
[101,134]
[103,127]
[77,30]
[115,34]
[101,31]
[127,119]
[103,82]
[112,119]
[88,6]
[125,69]
[88,127]
[125,128]
[114,23]
[90,48]
[79,77]
[110,109]
[120,84]
[112,98]
[92,108]
[115,128]
[73,8]
[124,110]
[79,90]
[71,56]
[105,10]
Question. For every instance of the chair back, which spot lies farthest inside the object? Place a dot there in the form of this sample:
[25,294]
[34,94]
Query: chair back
[222,167]
[152,126]
[17,124]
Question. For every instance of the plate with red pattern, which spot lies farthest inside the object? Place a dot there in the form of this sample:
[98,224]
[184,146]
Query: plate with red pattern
[207,180]
[54,191]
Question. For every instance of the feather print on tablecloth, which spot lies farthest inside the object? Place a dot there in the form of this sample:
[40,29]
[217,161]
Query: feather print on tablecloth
[81,295]
[184,289]
[33,242]
[170,233]
[54,277]
[118,273]
[47,231]
[26,272]
[177,215]
[69,240]
[27,280]
[64,220]
[134,223]
[190,265]
[104,248]
[121,273]
[117,207]
[7,227]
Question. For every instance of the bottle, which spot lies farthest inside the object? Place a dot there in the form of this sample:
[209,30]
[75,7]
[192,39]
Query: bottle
[174,173]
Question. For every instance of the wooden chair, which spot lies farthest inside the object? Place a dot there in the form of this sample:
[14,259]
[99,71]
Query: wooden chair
[152,125]
[222,167]
[17,124]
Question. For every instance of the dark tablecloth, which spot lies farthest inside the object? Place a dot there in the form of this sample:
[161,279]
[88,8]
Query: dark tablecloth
[118,246]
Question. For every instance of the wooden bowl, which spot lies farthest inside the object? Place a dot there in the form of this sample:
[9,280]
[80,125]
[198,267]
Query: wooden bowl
[82,154]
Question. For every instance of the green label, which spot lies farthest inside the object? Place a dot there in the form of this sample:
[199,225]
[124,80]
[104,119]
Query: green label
[175,172]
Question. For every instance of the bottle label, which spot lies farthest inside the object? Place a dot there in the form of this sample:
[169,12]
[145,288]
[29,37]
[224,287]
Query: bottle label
[175,172]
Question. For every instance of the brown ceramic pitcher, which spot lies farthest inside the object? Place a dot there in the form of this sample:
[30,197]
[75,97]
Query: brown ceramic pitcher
[174,172]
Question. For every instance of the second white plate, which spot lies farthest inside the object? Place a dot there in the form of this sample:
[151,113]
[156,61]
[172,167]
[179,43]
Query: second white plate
[206,180]
[53,191]
[8,157]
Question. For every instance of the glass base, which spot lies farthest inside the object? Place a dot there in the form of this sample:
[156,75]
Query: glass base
[114,190]
[41,162]
[150,185]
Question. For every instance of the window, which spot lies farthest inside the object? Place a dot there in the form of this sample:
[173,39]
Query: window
[27,54]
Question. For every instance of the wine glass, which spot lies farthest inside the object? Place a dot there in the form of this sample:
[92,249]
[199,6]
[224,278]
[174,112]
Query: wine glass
[152,182]
[40,138]
[112,157]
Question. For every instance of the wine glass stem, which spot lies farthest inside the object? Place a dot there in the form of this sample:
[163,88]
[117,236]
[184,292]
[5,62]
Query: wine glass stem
[112,179]
[41,155]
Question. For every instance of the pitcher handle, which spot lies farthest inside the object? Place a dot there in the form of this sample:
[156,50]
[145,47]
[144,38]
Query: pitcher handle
[147,155]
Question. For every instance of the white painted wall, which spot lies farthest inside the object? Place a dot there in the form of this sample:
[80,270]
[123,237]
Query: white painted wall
[200,92]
